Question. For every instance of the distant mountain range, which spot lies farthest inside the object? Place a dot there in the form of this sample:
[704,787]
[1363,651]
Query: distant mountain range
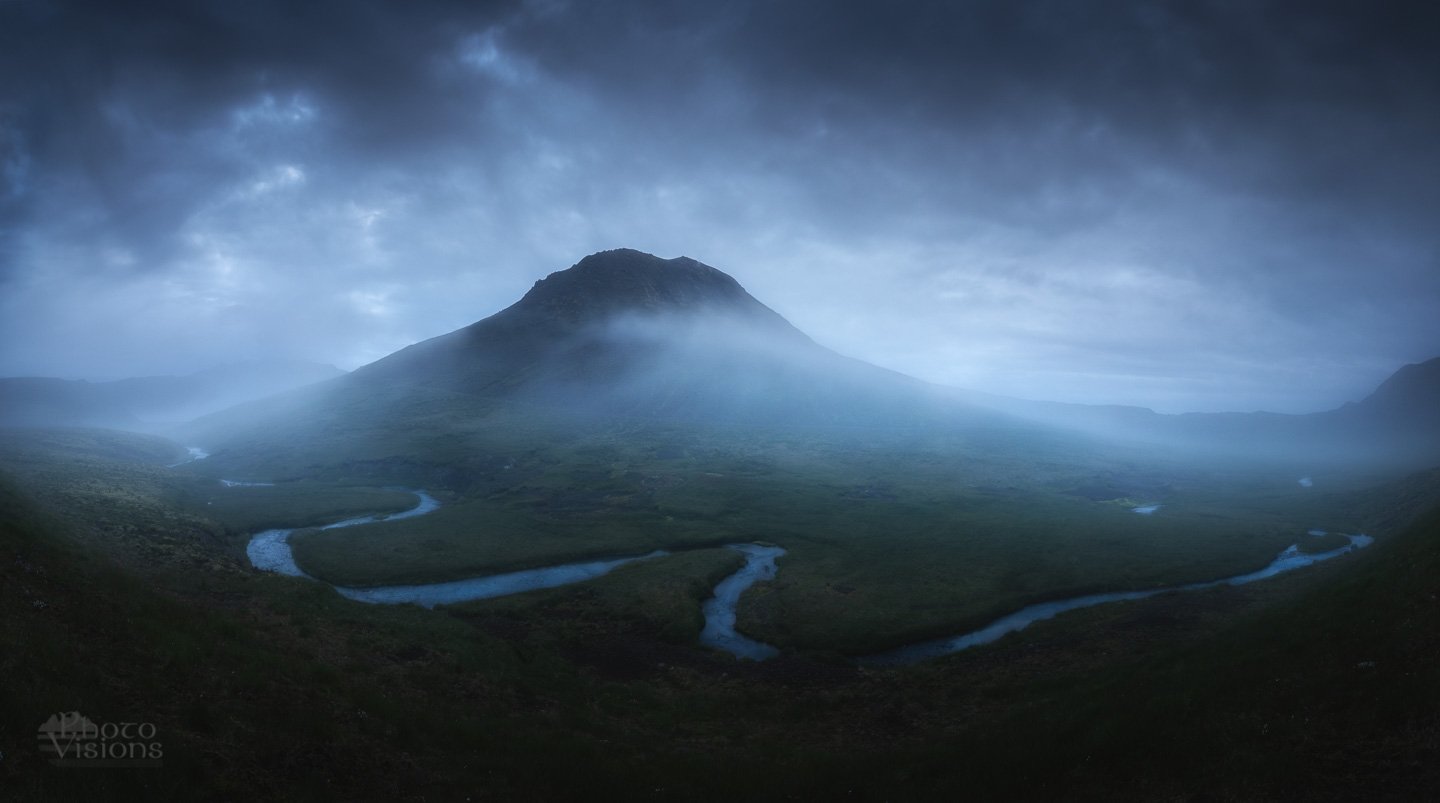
[145,403]
[1399,422]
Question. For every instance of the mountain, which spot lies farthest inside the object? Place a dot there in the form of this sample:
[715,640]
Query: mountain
[1399,423]
[624,338]
[573,323]
[619,344]
[1411,394]
[627,333]
[145,403]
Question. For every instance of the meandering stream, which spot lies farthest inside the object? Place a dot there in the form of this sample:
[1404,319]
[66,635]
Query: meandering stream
[428,595]
[270,551]
[1288,560]
[719,610]
[192,453]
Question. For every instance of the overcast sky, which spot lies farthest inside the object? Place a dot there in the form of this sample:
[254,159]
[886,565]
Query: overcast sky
[1187,205]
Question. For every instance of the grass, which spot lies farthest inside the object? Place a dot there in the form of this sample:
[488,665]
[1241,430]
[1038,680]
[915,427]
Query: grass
[888,543]
[1333,692]
[473,538]
[1318,684]
[245,510]
[118,495]
[660,597]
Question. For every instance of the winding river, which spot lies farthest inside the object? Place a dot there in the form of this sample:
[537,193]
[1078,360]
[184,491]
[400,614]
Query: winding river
[192,453]
[1292,558]
[719,610]
[270,551]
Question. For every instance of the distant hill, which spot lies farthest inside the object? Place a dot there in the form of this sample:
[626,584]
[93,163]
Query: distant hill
[146,402]
[1411,394]
[1398,423]
[41,401]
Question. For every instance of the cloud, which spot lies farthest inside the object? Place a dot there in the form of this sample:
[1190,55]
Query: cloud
[1143,202]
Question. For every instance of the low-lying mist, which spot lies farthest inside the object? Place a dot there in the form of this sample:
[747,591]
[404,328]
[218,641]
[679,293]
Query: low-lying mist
[731,364]
[152,403]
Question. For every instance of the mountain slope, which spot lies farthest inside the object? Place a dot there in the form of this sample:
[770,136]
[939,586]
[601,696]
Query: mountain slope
[624,331]
[621,336]
[1409,402]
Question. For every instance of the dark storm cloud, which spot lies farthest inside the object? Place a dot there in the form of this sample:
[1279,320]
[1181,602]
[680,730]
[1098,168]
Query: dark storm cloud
[127,99]
[1315,105]
[1184,203]
[1280,151]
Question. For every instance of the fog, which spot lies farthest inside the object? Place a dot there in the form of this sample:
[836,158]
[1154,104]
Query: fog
[628,342]
[733,373]
[847,333]
[1186,206]
[716,367]
[152,403]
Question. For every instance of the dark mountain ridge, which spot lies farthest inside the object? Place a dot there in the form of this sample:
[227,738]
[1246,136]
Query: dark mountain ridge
[1411,392]
[626,331]
[626,281]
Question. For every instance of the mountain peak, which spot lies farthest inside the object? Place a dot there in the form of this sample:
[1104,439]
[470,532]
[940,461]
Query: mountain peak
[575,322]
[1414,388]
[624,280]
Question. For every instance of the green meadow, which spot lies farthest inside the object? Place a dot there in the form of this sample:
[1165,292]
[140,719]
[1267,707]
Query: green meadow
[1317,683]
[890,538]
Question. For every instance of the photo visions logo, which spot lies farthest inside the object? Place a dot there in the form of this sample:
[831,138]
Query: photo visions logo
[71,740]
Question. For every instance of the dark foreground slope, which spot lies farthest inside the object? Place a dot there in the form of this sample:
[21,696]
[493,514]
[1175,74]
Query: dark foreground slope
[1322,685]
[1332,694]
